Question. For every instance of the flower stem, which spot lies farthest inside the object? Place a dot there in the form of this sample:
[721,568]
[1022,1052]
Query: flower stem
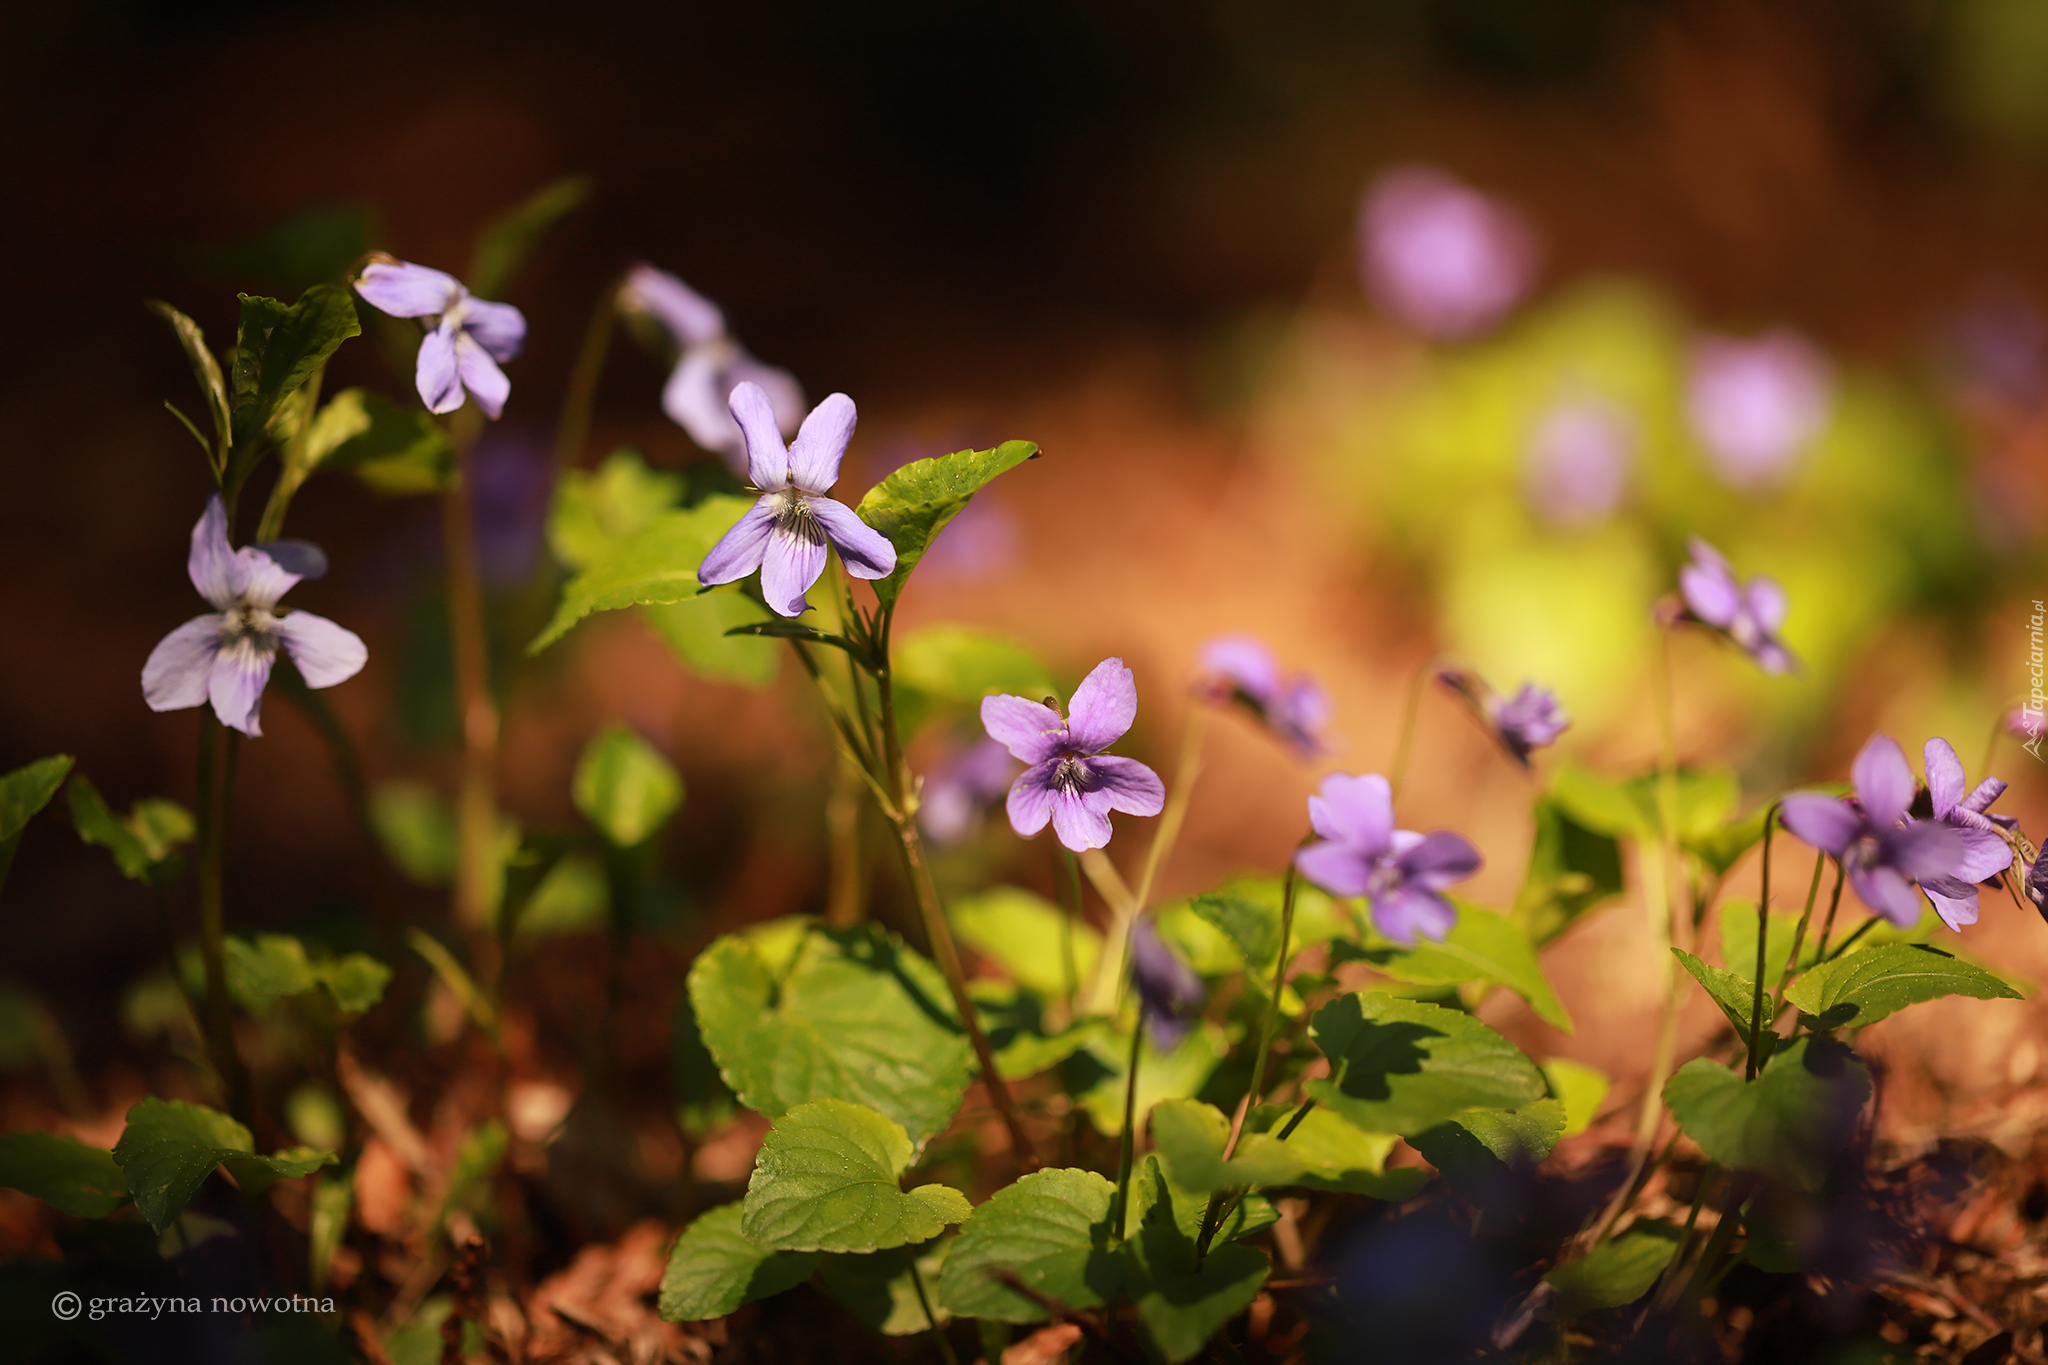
[924,1302]
[1076,915]
[1405,745]
[1850,941]
[843,896]
[902,814]
[476,812]
[573,428]
[1271,1022]
[1763,926]
[1128,1149]
[1827,927]
[1108,980]
[217,752]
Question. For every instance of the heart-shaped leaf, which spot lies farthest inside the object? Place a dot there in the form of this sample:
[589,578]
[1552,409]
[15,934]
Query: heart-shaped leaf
[1788,1123]
[827,1179]
[1871,983]
[1612,1275]
[1051,1231]
[1481,946]
[1323,1153]
[914,504]
[714,1269]
[169,1148]
[625,787]
[657,565]
[1182,1301]
[1403,1066]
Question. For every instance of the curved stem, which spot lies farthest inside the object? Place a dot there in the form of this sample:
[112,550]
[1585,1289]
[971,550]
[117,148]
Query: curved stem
[1405,745]
[476,806]
[1827,927]
[1128,1149]
[1763,928]
[924,1302]
[1105,986]
[1271,1022]
[573,429]
[217,752]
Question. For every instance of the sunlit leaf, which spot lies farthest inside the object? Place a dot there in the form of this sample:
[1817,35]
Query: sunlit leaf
[1788,1123]
[1481,946]
[395,451]
[27,790]
[625,787]
[657,565]
[1871,983]
[959,663]
[1572,869]
[1403,1066]
[1182,1302]
[1024,934]
[1612,1275]
[914,504]
[1051,1231]
[827,1179]
[594,509]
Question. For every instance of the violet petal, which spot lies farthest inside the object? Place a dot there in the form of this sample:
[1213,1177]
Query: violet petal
[436,375]
[324,652]
[1884,782]
[178,670]
[211,563]
[235,686]
[481,375]
[1826,822]
[794,558]
[865,551]
[498,327]
[1030,730]
[820,442]
[739,551]
[1029,805]
[407,291]
[1131,787]
[767,459]
[1103,707]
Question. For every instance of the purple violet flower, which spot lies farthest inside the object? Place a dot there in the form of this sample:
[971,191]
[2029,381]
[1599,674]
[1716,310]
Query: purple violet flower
[1967,812]
[1579,458]
[1241,669]
[1070,781]
[784,534]
[1883,851]
[710,364]
[1749,613]
[1756,405]
[465,340]
[957,794]
[1170,994]
[1527,721]
[1442,257]
[1362,854]
[226,655]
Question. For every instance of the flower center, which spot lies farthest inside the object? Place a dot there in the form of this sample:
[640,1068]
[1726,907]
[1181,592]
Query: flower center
[1071,776]
[244,621]
[794,517]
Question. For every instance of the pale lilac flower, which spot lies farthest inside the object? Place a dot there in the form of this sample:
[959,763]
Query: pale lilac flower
[1756,405]
[784,534]
[466,337]
[1881,849]
[1070,781]
[1527,721]
[1749,614]
[1442,257]
[953,800]
[2001,342]
[1238,668]
[1966,811]
[226,655]
[1362,854]
[1580,454]
[1170,994]
[710,364]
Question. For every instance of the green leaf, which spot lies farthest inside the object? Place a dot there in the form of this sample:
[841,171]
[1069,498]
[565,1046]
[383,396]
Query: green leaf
[1323,1153]
[1023,933]
[878,1290]
[1015,1021]
[1721,847]
[1161,1076]
[1600,804]
[657,565]
[1478,1145]
[594,509]
[1051,1231]
[1871,983]
[699,630]
[27,790]
[169,1148]
[914,504]
[504,246]
[1153,1187]
[713,1269]
[1612,1275]
[277,348]
[1182,1304]
[854,1016]
[1249,925]
[958,663]
[355,980]
[417,830]
[97,825]
[827,1179]
[625,787]
[1403,1066]
[392,450]
[1629,809]
[274,965]
[1238,926]
[1481,946]
[63,1172]
[1580,1088]
[1738,941]
[1788,1123]
[1572,869]
[205,369]
[1733,992]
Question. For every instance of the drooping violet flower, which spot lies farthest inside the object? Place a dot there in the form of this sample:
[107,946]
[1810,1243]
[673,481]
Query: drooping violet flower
[957,794]
[1362,854]
[1966,811]
[1170,994]
[1521,724]
[1580,454]
[1442,257]
[1749,614]
[466,337]
[710,364]
[2037,885]
[1756,405]
[784,534]
[1883,851]
[226,655]
[1238,668]
[1071,782]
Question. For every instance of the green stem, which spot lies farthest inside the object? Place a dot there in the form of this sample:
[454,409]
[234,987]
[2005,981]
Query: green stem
[1105,986]
[1270,1024]
[1671,1274]
[476,812]
[292,471]
[574,427]
[1128,1149]
[1076,915]
[1827,928]
[1763,926]
[1405,744]
[844,893]
[924,1302]
[217,752]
